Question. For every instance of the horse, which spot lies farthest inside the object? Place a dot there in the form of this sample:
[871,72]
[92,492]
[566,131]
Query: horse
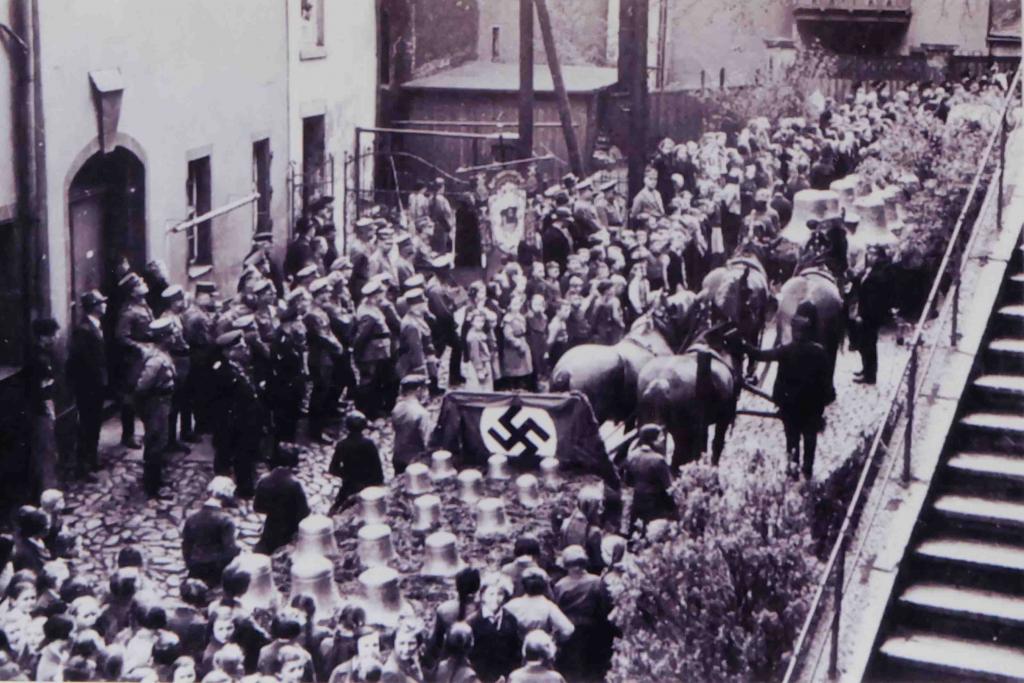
[607,374]
[819,286]
[741,292]
[689,392]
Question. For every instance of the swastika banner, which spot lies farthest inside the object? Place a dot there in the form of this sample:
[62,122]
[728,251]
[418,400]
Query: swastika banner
[474,426]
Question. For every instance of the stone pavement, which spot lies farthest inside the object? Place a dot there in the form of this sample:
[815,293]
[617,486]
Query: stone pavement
[113,512]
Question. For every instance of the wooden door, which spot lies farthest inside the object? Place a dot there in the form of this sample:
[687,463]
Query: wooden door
[88,254]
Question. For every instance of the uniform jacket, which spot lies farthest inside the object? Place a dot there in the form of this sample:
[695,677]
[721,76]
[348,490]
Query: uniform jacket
[584,600]
[803,380]
[647,472]
[557,245]
[411,422]
[357,461]
[415,346]
[373,338]
[874,294]
[158,375]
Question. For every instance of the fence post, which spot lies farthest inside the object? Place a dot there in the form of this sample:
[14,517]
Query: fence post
[1002,169]
[908,433]
[837,613]
[954,333]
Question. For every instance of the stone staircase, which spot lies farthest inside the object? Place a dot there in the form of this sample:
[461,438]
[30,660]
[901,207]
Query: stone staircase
[957,612]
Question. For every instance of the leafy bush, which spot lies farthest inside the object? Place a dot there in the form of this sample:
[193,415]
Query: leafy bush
[721,595]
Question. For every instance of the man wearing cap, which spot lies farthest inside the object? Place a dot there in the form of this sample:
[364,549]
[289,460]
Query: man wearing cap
[89,381]
[290,366]
[441,213]
[585,218]
[360,250]
[263,242]
[178,348]
[325,352]
[440,291]
[153,393]
[608,206]
[371,348]
[132,332]
[198,326]
[583,597]
[356,460]
[415,345]
[405,252]
[411,423]
[803,387]
[382,262]
[557,239]
[648,473]
[208,541]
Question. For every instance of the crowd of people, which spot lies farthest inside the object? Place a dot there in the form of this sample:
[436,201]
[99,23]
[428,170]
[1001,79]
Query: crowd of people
[342,341]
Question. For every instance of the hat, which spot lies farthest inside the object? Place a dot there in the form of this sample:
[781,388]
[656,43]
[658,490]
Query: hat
[415,296]
[263,237]
[414,282]
[206,287]
[585,184]
[607,185]
[563,213]
[569,180]
[385,229]
[243,321]
[355,421]
[260,286]
[321,203]
[364,223]
[295,294]
[341,263]
[552,191]
[308,271]
[851,218]
[372,287]
[92,298]
[229,339]
[414,380]
[160,326]
[441,262]
[129,282]
[317,285]
[173,293]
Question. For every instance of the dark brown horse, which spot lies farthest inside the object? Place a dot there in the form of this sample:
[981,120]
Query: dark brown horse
[689,392]
[607,375]
[739,290]
[819,286]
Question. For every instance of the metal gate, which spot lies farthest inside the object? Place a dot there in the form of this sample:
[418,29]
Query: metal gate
[302,189]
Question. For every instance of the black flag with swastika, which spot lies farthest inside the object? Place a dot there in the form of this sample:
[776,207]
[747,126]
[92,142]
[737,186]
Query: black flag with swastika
[474,426]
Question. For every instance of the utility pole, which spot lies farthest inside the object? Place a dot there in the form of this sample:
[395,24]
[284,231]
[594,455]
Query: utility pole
[562,98]
[525,79]
[636,12]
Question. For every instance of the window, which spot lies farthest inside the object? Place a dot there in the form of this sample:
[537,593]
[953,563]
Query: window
[314,171]
[312,26]
[261,157]
[197,188]
[495,43]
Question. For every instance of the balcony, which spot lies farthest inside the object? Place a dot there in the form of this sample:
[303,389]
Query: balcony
[890,11]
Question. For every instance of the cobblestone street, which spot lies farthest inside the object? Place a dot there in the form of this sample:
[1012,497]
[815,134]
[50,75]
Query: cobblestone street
[113,512]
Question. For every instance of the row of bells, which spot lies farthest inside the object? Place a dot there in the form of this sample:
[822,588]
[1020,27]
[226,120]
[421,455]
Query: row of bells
[312,570]
[882,212]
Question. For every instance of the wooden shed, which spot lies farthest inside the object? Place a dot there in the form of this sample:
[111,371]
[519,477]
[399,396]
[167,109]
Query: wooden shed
[482,98]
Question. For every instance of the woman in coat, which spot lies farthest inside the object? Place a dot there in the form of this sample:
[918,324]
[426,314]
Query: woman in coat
[516,362]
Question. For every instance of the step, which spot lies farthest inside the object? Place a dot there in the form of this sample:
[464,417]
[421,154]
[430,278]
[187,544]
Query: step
[1000,422]
[970,603]
[989,464]
[1012,345]
[1013,311]
[979,553]
[980,510]
[961,656]
[1006,384]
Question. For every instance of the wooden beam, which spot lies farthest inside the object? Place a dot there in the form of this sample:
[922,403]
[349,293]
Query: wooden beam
[638,100]
[562,98]
[525,78]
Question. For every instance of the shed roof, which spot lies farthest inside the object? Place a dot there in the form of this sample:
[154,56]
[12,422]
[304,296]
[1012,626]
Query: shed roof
[501,77]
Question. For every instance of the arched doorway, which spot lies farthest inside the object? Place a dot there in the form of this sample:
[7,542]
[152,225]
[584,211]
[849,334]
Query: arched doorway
[107,210]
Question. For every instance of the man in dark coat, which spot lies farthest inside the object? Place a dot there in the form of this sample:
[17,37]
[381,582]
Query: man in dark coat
[87,376]
[803,387]
[556,238]
[411,423]
[648,473]
[208,539]
[356,460]
[279,495]
[873,290]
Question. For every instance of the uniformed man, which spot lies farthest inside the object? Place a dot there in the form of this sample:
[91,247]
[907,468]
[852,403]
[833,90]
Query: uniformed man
[208,541]
[556,238]
[290,376]
[403,258]
[304,276]
[360,252]
[647,471]
[371,348]
[153,393]
[803,387]
[89,380]
[440,211]
[411,423]
[382,262]
[415,346]
[264,242]
[131,334]
[177,346]
[325,353]
[198,325]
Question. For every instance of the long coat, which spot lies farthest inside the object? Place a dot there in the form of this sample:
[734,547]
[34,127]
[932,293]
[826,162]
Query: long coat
[357,462]
[279,496]
[87,362]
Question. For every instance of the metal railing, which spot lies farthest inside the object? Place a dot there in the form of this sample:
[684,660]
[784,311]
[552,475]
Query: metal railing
[854,5]
[834,577]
